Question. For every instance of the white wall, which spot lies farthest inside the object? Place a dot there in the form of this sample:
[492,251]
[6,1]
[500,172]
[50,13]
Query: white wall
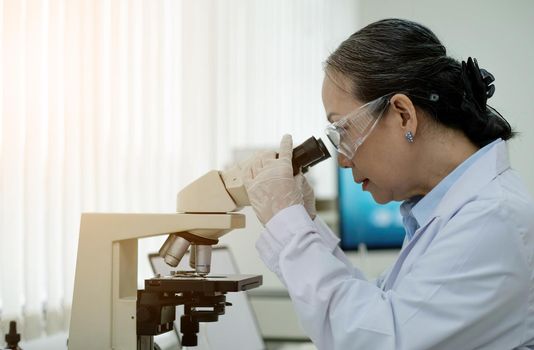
[500,34]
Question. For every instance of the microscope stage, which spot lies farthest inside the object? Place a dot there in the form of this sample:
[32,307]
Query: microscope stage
[190,282]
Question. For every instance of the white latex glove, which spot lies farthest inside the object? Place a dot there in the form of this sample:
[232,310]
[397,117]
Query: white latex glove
[307,195]
[270,184]
[246,164]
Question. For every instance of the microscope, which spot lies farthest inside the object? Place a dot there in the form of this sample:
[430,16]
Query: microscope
[108,312]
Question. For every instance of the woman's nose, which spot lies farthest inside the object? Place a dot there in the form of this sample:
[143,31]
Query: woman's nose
[343,161]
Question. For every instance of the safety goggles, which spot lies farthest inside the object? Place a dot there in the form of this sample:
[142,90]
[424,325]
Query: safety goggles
[348,133]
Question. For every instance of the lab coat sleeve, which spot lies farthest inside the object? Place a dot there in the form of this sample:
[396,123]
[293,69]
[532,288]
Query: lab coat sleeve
[461,294]
[271,244]
[333,241]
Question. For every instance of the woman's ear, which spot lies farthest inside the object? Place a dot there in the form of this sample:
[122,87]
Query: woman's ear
[406,112]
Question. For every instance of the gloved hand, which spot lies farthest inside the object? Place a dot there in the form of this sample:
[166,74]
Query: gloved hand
[270,184]
[307,195]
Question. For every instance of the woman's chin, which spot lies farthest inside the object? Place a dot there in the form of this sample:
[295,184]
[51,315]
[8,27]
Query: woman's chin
[381,198]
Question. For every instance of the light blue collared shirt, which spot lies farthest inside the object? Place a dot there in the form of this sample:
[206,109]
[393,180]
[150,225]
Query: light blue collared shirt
[416,211]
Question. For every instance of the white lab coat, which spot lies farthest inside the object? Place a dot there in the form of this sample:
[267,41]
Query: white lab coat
[465,280]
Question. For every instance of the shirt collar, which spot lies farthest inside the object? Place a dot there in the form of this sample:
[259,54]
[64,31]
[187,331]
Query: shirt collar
[422,207]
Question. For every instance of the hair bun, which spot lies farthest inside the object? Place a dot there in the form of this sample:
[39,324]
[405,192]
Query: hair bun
[415,62]
[477,83]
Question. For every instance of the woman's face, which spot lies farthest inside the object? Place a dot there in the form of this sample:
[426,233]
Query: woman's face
[384,163]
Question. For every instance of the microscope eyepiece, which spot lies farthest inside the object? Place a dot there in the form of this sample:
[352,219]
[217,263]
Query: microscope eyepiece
[307,154]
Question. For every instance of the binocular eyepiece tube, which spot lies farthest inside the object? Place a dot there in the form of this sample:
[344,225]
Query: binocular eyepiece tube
[307,154]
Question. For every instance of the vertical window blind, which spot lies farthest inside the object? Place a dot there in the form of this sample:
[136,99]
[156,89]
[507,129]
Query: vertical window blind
[114,105]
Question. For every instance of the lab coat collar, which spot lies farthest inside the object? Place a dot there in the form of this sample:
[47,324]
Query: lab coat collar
[422,207]
[478,175]
[467,187]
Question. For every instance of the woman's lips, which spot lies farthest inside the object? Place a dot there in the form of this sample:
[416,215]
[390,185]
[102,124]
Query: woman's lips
[363,181]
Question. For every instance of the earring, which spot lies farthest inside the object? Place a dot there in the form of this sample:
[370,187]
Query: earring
[409,136]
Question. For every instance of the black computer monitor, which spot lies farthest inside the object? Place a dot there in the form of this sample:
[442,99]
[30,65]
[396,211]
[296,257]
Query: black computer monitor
[363,221]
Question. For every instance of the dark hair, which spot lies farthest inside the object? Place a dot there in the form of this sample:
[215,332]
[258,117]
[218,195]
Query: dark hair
[396,55]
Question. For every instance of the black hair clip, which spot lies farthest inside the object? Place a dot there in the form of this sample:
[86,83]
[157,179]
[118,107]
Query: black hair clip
[488,80]
[477,83]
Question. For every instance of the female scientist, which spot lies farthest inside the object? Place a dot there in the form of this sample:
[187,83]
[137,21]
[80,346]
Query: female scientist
[413,125]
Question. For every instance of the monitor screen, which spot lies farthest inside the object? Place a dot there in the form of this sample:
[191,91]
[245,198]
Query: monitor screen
[363,221]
